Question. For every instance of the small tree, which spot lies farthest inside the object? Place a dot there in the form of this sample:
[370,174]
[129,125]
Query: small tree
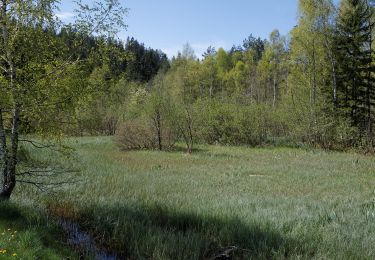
[184,85]
[149,118]
[161,112]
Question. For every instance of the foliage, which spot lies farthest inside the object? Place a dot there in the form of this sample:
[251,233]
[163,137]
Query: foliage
[284,87]
[356,92]
[40,86]
[149,118]
[138,134]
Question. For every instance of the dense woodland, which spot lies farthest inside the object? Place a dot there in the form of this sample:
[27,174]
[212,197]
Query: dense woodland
[314,86]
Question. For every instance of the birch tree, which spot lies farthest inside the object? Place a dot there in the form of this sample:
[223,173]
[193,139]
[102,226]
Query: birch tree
[36,85]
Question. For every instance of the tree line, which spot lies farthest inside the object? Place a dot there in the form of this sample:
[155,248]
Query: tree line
[314,86]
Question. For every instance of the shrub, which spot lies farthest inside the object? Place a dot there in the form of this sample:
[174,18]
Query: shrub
[232,124]
[334,133]
[321,129]
[138,134]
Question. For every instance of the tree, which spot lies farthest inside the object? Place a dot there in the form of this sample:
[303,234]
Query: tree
[184,82]
[142,63]
[307,96]
[188,52]
[34,77]
[161,112]
[272,67]
[255,44]
[355,63]
[210,70]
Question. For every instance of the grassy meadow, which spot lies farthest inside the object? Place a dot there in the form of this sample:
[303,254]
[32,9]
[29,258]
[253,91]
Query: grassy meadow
[249,203]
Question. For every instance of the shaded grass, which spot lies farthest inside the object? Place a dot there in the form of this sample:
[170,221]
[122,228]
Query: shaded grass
[26,233]
[159,233]
[268,203]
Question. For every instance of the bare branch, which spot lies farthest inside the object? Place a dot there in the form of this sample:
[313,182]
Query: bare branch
[37,144]
[39,186]
[52,147]
[4,69]
[45,173]
[45,187]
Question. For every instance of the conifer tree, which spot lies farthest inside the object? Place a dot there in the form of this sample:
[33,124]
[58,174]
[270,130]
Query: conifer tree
[355,63]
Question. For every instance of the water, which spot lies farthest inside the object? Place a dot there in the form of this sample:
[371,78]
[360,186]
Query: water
[84,241]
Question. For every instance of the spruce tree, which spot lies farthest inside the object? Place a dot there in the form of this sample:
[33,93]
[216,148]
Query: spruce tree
[355,63]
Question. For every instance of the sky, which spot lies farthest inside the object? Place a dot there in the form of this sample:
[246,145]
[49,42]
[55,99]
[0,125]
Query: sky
[169,24]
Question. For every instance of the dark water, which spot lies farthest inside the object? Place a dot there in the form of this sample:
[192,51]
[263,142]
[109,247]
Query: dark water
[84,241]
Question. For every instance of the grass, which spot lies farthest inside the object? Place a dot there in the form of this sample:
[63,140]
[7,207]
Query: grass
[279,203]
[25,233]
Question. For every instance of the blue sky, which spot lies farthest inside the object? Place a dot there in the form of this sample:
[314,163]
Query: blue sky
[169,24]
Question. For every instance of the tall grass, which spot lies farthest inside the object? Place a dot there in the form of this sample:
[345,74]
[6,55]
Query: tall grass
[248,203]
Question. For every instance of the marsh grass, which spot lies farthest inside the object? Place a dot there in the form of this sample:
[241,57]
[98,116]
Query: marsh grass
[265,203]
[26,233]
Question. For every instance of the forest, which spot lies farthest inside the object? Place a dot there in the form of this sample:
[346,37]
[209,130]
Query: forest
[186,157]
[313,86]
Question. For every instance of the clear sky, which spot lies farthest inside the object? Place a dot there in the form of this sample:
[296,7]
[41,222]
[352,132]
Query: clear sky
[169,24]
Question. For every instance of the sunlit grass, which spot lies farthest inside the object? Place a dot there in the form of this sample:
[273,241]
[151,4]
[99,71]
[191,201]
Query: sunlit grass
[267,203]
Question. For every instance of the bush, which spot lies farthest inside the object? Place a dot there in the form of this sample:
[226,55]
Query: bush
[334,133]
[232,124]
[321,129]
[139,134]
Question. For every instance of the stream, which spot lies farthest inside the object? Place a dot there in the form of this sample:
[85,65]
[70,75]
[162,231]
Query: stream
[84,242]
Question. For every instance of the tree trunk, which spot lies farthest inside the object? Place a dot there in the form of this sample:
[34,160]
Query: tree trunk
[369,114]
[331,57]
[190,128]
[274,91]
[3,143]
[334,74]
[9,157]
[157,123]
[3,158]
[370,83]
[314,90]
[9,170]
[158,128]
[186,130]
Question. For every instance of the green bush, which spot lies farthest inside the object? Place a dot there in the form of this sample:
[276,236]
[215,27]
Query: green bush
[321,129]
[231,124]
